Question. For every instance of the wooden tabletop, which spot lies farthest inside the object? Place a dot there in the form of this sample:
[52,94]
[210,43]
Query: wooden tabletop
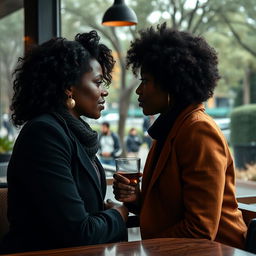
[159,247]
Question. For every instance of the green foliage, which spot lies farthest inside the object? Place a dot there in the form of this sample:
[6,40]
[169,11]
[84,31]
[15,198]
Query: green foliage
[243,125]
[6,145]
[239,97]
[239,91]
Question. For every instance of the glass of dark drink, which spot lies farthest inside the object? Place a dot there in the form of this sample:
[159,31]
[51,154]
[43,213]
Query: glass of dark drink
[129,167]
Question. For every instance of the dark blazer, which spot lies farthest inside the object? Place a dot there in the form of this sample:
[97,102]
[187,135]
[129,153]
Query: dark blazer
[55,198]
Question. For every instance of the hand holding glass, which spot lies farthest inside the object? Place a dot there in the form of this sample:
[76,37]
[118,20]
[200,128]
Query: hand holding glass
[130,168]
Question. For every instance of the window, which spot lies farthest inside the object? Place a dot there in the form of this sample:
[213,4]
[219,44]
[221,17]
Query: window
[11,47]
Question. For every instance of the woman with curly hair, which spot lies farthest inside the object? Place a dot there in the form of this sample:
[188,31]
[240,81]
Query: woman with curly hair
[56,184]
[188,185]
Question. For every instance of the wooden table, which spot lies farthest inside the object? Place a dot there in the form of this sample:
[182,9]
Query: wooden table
[158,247]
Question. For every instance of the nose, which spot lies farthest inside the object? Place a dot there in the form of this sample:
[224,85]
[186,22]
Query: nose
[138,90]
[104,92]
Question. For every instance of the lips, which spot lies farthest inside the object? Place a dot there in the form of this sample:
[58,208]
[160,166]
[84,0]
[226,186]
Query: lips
[140,102]
[101,104]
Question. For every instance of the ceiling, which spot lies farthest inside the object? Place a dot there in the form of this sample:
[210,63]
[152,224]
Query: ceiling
[9,6]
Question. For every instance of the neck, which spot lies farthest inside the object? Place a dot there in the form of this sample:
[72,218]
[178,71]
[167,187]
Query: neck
[74,113]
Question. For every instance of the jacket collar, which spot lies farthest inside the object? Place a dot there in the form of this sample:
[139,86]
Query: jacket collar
[149,181]
[163,124]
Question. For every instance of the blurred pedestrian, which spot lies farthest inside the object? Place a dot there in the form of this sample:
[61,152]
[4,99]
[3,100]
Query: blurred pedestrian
[133,143]
[109,145]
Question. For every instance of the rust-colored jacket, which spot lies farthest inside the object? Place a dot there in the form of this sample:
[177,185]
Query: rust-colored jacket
[191,191]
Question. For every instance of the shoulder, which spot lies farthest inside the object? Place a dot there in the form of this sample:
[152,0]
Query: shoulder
[200,120]
[114,135]
[45,119]
[200,129]
[44,128]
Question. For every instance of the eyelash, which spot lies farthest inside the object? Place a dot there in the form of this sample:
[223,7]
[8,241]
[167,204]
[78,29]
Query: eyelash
[143,80]
[99,83]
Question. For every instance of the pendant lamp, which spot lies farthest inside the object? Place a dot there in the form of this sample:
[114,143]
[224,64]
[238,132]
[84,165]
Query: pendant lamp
[119,14]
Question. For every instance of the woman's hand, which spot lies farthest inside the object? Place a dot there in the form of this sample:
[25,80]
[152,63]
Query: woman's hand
[119,207]
[123,191]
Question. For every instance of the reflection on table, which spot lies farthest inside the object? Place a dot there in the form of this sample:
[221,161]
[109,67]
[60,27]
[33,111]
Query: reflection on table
[159,247]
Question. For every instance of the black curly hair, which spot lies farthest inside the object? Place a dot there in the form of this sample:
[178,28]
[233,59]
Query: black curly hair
[47,70]
[181,64]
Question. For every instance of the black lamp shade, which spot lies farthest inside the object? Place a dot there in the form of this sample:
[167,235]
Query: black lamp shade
[119,14]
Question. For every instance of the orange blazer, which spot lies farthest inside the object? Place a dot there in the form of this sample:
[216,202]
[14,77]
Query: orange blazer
[191,191]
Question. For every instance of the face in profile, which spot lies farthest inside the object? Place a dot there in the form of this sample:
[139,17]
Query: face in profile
[89,96]
[152,99]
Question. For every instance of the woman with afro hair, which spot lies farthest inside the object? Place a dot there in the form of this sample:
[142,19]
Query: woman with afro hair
[56,184]
[188,184]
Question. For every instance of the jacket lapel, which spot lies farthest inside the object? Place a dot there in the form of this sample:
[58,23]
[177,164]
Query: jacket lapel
[82,155]
[166,150]
[88,166]
[152,175]
[102,177]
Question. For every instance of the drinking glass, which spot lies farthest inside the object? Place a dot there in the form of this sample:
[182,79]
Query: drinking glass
[129,167]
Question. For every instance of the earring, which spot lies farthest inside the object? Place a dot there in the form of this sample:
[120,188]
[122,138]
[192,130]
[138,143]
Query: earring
[168,99]
[70,102]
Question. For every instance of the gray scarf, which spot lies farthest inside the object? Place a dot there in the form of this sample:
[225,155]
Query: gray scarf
[84,133]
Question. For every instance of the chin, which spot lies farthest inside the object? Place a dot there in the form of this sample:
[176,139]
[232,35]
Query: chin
[96,116]
[93,116]
[147,112]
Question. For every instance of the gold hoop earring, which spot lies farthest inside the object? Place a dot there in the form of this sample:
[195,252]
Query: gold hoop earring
[70,102]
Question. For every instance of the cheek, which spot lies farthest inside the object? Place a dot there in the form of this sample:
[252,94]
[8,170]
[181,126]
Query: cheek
[92,93]
[155,101]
